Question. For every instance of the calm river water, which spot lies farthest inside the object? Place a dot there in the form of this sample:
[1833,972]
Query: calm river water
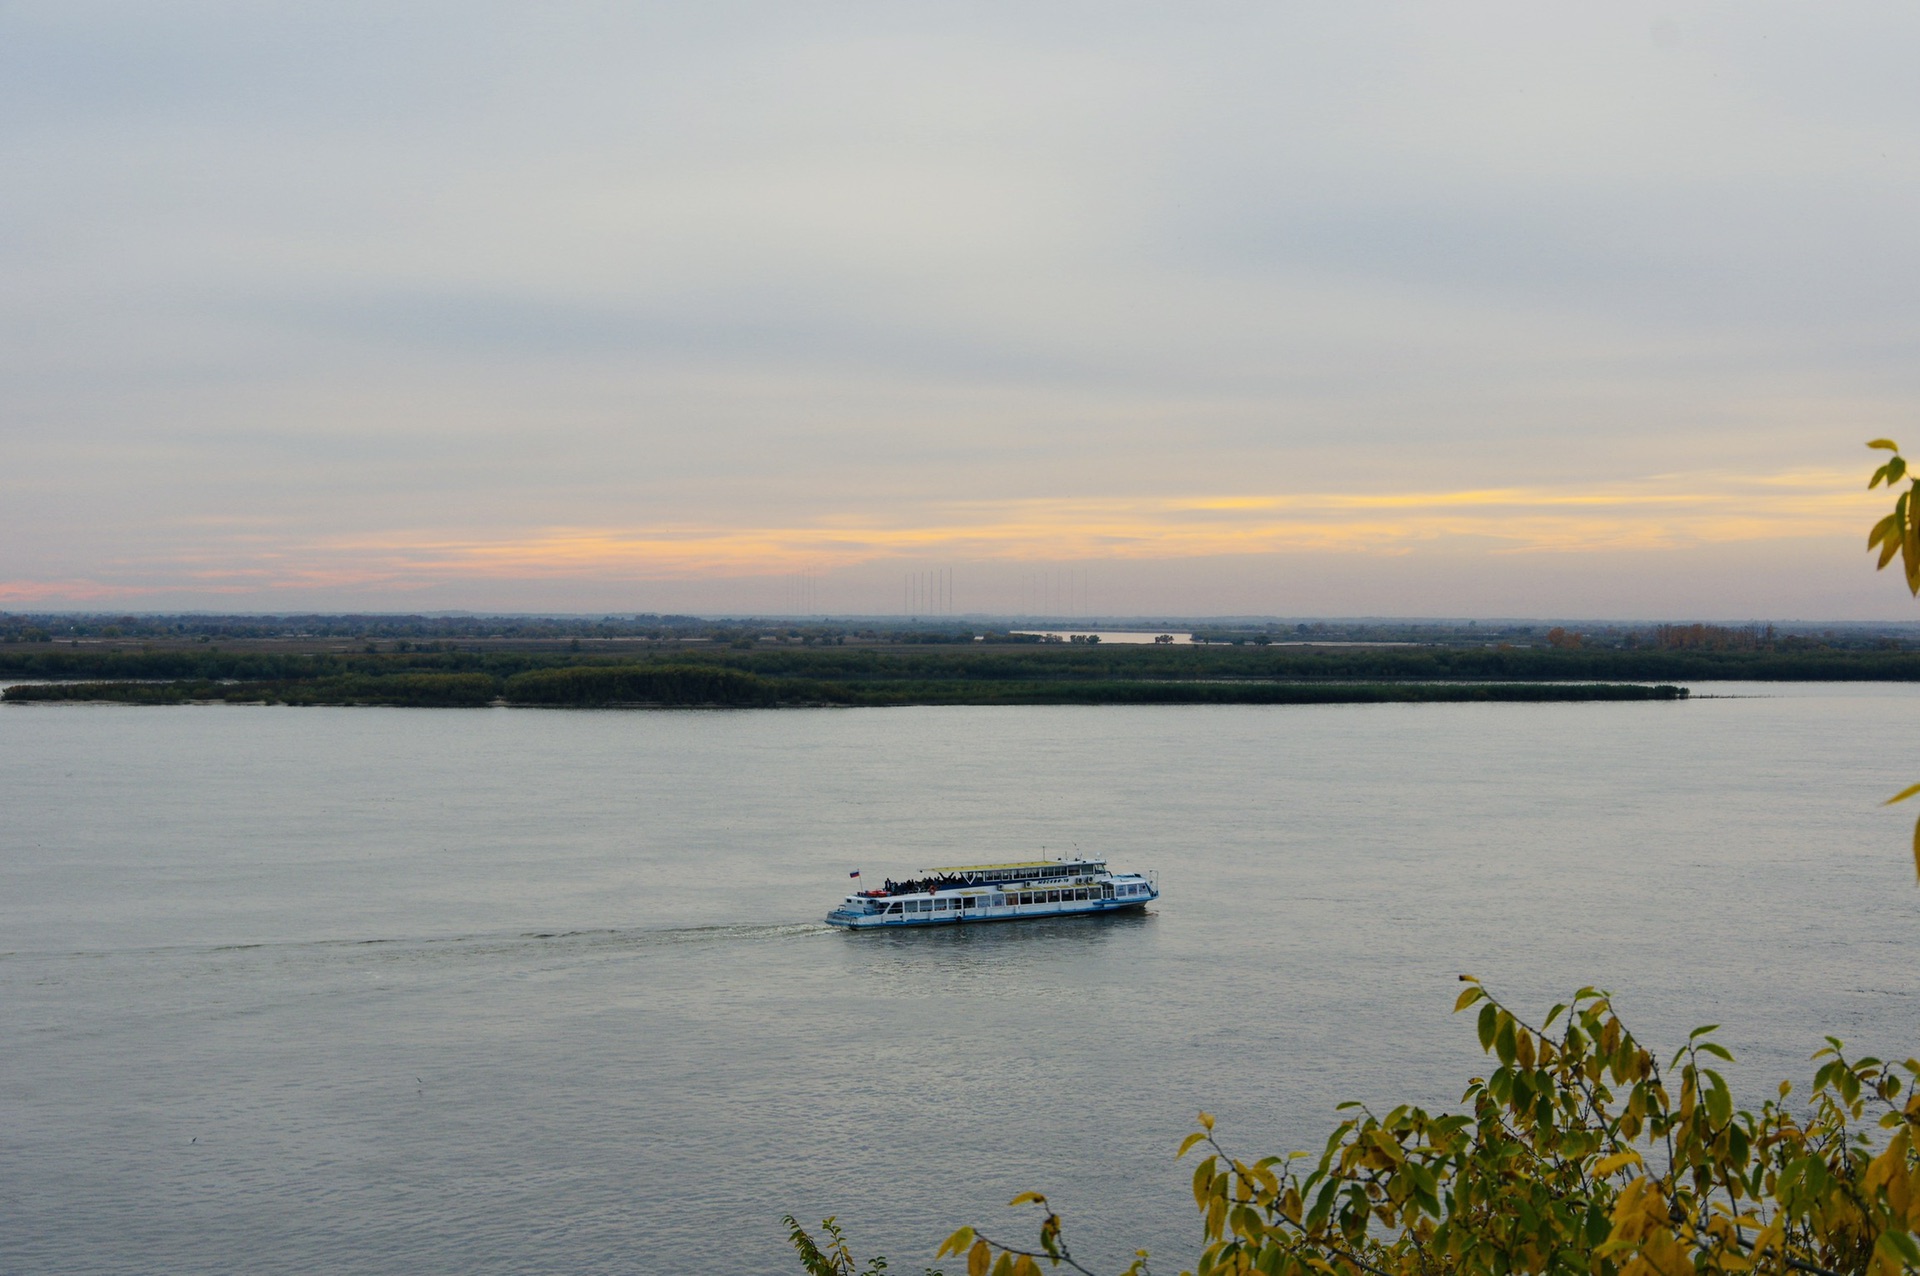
[413,991]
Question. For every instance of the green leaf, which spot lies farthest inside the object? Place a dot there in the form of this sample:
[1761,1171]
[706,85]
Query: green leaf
[1702,1031]
[1490,1015]
[1504,1042]
[1719,1099]
[1899,1246]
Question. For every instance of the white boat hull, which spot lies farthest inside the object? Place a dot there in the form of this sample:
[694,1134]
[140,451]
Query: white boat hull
[1008,913]
[972,903]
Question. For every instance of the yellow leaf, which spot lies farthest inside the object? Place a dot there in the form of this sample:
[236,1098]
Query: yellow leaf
[1916,848]
[956,1243]
[1902,795]
[1186,1144]
[979,1258]
[1887,444]
[1206,1122]
[1614,1162]
[1028,1198]
[1468,996]
[1203,1182]
[1025,1266]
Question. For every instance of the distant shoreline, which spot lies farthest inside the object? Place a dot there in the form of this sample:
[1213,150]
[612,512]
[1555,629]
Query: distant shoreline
[664,689]
[751,675]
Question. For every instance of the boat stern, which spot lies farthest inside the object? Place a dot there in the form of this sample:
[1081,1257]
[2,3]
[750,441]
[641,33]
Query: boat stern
[855,911]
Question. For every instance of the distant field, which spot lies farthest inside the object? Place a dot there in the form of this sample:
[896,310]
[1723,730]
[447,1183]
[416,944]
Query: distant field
[670,687]
[673,674]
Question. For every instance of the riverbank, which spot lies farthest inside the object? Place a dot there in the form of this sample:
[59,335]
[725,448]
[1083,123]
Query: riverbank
[669,686]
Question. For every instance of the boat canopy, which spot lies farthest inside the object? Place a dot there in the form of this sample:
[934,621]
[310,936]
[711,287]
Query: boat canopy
[1063,866]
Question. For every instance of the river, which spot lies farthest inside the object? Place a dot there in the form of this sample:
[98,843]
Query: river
[489,991]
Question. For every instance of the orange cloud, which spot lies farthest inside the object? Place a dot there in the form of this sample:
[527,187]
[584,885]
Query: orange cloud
[1660,513]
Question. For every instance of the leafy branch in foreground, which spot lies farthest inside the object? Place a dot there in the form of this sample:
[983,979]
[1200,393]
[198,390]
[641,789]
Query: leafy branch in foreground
[1899,533]
[836,1259]
[1578,1155]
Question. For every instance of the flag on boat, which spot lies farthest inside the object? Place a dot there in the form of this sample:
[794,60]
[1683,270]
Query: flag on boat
[854,873]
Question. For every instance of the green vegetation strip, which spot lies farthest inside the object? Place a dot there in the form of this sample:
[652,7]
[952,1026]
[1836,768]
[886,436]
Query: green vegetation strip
[988,663]
[708,685]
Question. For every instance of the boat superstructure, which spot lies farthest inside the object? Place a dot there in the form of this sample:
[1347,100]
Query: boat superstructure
[998,893]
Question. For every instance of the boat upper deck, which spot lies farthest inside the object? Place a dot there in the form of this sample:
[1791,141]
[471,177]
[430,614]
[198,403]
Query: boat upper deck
[1018,873]
[1020,870]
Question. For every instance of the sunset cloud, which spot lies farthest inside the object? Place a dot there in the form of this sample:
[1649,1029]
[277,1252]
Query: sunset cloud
[1662,513]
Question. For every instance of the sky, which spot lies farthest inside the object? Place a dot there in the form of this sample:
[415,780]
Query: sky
[1476,309]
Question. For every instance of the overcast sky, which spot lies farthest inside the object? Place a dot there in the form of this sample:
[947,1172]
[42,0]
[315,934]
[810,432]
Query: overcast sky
[1295,309]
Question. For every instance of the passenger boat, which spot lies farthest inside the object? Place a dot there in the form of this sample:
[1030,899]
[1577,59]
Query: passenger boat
[998,893]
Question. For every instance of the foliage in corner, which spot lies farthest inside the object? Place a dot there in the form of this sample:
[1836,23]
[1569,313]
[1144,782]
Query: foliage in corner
[1578,1155]
[1899,533]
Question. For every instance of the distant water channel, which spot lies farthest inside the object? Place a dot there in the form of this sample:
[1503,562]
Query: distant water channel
[416,991]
